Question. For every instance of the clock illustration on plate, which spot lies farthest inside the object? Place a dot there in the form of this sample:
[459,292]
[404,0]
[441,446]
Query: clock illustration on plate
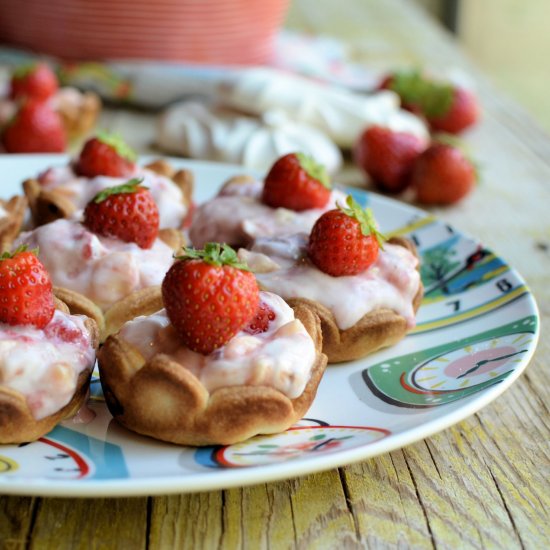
[452,371]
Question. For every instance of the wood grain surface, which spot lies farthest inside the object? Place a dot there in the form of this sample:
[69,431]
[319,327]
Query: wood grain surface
[483,483]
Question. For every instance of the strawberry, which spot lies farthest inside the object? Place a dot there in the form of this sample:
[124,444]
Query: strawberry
[36,128]
[260,322]
[26,296]
[209,296]
[387,156]
[127,212]
[442,175]
[36,81]
[345,241]
[297,182]
[462,113]
[446,107]
[106,155]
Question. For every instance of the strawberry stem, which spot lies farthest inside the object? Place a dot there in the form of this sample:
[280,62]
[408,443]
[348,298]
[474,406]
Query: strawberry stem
[130,186]
[215,254]
[366,220]
[118,144]
[314,169]
[21,248]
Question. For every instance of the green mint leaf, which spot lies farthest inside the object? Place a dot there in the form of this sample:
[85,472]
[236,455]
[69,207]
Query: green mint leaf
[118,144]
[130,186]
[314,169]
[215,254]
[365,218]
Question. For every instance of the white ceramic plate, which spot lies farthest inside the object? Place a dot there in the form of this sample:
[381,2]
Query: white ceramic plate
[477,330]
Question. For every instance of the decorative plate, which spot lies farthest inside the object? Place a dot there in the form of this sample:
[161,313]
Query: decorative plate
[477,330]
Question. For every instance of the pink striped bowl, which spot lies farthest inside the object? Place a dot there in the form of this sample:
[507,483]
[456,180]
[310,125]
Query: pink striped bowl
[200,31]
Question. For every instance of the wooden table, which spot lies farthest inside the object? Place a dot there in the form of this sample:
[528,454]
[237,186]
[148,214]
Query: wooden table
[480,484]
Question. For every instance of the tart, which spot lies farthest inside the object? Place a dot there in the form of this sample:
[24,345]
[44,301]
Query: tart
[60,192]
[156,386]
[44,373]
[359,314]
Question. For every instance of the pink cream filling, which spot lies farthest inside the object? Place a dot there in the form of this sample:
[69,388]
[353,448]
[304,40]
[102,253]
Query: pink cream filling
[80,190]
[237,216]
[44,364]
[281,358]
[281,266]
[103,269]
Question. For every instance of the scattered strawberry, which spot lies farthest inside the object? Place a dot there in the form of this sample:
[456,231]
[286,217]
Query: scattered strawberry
[106,155]
[442,175]
[35,81]
[127,212]
[260,322]
[462,113]
[345,241]
[209,296]
[36,128]
[26,296]
[387,156]
[446,107]
[297,182]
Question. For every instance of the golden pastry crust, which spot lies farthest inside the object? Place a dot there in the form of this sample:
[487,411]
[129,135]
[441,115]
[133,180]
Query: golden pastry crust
[10,225]
[79,112]
[49,205]
[17,424]
[379,329]
[162,399]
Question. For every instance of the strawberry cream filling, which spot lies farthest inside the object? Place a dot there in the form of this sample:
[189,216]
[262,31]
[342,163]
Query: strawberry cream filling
[237,216]
[281,266]
[44,364]
[101,268]
[281,358]
[81,190]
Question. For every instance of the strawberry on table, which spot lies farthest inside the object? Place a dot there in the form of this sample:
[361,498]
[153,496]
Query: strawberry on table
[209,296]
[462,113]
[345,241]
[446,107]
[297,182]
[442,175]
[26,296]
[106,155]
[35,128]
[35,80]
[387,156]
[127,212]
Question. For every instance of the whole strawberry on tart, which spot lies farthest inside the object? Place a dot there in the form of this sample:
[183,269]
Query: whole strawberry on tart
[364,288]
[46,354]
[113,257]
[218,360]
[105,161]
[294,193]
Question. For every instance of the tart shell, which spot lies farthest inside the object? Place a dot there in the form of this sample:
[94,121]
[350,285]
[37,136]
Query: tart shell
[375,330]
[17,424]
[164,400]
[10,225]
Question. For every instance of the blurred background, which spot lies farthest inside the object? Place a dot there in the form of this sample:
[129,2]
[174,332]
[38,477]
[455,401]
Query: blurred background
[509,40]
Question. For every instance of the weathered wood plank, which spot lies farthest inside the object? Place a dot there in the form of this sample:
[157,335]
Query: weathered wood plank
[96,524]
[16,517]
